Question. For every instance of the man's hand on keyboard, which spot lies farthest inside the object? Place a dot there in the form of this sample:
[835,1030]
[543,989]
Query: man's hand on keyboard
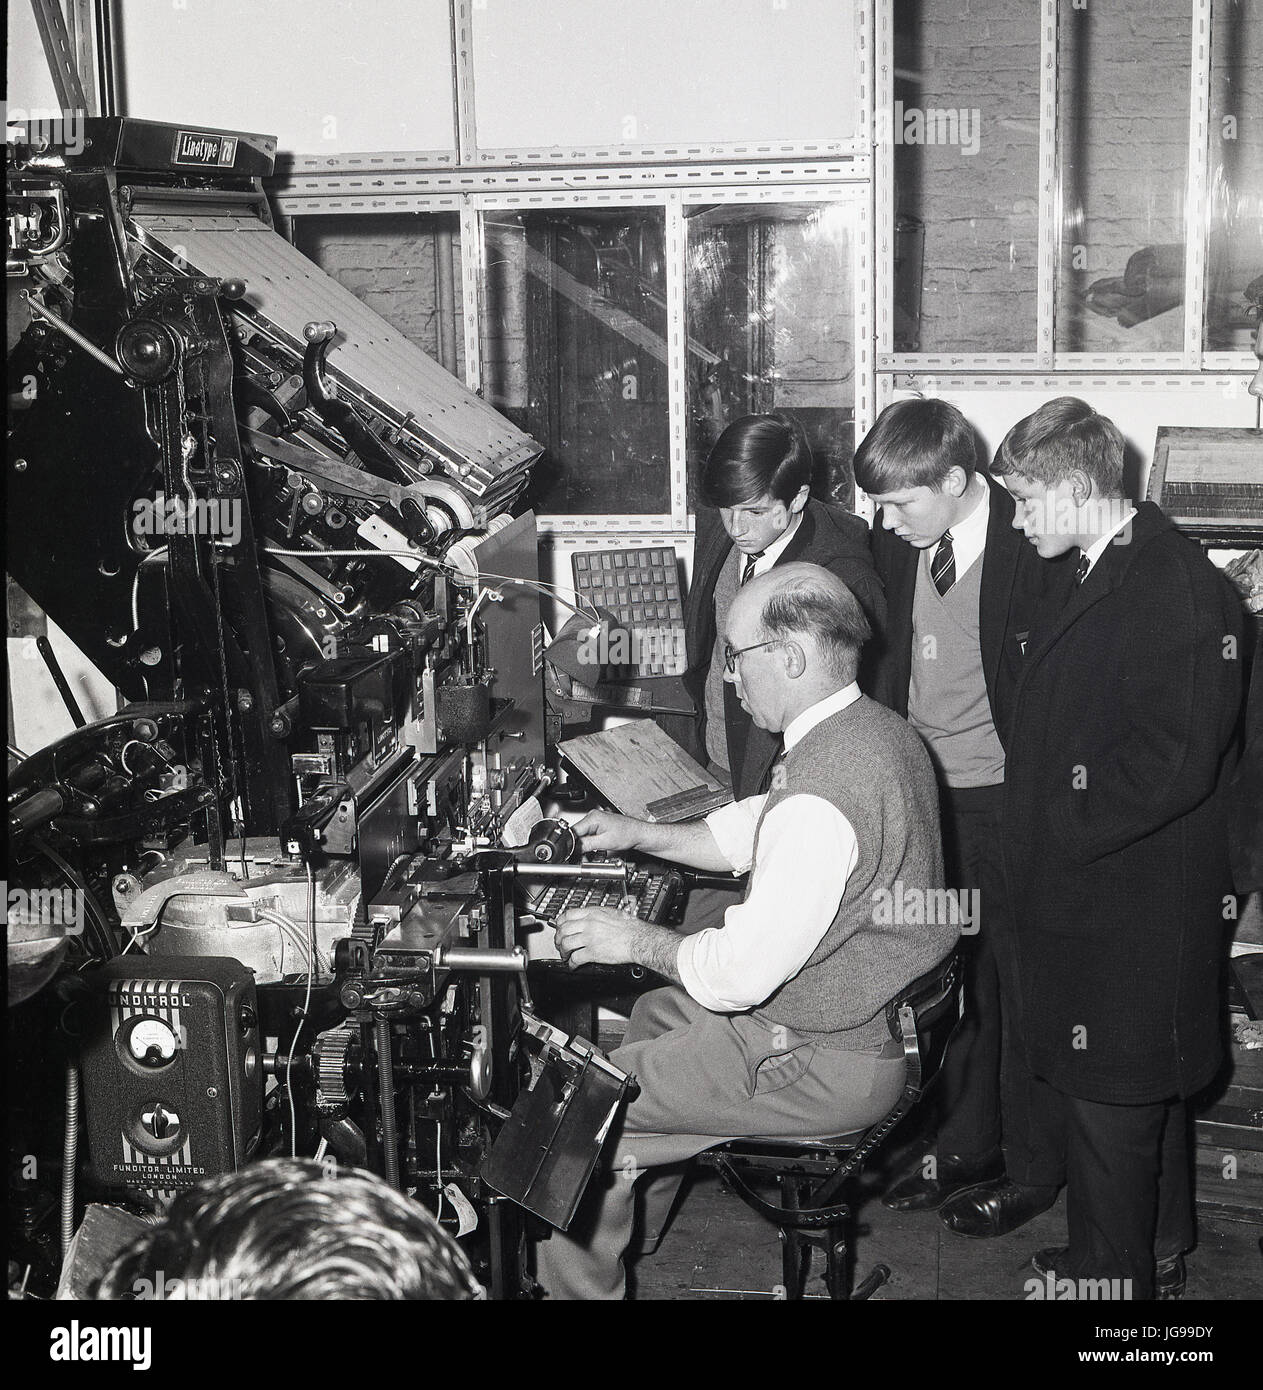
[608,831]
[596,935]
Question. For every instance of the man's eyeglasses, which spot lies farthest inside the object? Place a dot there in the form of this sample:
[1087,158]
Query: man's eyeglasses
[730,656]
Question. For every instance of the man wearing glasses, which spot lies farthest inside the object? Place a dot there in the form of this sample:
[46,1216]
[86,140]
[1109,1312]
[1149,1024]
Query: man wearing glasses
[774,1023]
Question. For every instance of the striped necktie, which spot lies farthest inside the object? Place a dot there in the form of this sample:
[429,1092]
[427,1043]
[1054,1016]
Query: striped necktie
[751,561]
[943,566]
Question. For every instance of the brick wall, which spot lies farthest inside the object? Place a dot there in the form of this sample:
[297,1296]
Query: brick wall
[1124,133]
[388,261]
[981,211]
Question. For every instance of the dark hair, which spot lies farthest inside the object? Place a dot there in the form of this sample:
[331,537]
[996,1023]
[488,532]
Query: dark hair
[285,1229]
[756,456]
[915,443]
[1062,435]
[814,602]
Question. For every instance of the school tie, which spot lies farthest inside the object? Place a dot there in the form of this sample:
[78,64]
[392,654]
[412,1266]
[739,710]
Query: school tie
[943,566]
[751,561]
[1081,570]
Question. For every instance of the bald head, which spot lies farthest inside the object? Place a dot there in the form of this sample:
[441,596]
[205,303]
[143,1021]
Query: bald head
[812,628]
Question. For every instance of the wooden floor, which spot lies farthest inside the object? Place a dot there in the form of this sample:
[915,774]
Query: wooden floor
[717,1248]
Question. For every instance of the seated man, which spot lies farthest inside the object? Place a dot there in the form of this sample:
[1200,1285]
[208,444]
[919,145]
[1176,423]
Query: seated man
[284,1230]
[758,517]
[774,1023]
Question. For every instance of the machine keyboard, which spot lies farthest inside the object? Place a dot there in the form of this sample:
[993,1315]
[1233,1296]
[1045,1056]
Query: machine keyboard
[657,893]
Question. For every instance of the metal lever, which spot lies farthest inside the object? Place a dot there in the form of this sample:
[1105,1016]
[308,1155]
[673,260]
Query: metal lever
[509,960]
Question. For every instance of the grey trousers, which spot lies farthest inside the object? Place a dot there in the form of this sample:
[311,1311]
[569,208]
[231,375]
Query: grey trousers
[704,1078]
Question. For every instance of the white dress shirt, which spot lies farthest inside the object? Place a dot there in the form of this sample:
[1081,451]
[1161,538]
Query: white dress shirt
[1097,548]
[807,851]
[969,537]
[773,551]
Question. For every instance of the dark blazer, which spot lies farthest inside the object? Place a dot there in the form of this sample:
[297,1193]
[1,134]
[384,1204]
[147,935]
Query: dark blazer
[1246,814]
[1015,586]
[828,535]
[1114,833]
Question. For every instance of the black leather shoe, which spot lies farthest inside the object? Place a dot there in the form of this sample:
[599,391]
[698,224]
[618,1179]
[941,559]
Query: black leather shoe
[952,1174]
[1170,1275]
[996,1209]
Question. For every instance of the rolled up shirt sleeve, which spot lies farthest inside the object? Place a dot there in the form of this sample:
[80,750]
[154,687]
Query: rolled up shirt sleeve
[807,851]
[733,828]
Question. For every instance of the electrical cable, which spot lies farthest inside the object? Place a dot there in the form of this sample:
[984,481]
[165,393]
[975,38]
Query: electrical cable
[289,1061]
[292,931]
[92,909]
[549,590]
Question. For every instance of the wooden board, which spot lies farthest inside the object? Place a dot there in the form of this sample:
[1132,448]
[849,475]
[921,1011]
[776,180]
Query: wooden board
[644,773]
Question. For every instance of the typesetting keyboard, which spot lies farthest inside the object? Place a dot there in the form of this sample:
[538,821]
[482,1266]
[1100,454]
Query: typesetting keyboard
[657,893]
[642,589]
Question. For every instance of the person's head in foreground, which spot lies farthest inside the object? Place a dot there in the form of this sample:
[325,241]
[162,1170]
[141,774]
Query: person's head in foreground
[758,474]
[284,1229]
[793,637]
[1064,466]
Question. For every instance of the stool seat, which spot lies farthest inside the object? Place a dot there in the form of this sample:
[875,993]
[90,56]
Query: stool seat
[817,1177]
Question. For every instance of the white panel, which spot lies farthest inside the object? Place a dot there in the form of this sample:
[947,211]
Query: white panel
[30,83]
[39,716]
[328,77]
[563,76]
[1137,407]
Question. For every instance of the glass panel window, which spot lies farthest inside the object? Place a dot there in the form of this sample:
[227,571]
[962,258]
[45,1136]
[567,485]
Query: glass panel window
[575,353]
[771,321]
[1122,133]
[1234,278]
[965,132]
[404,265]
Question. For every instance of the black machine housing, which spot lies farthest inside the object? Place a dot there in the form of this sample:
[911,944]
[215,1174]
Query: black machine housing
[303,554]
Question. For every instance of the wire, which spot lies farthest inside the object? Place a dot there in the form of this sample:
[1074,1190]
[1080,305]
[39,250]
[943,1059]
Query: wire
[290,929]
[302,1018]
[542,586]
[105,943]
[438,1164]
[152,558]
[136,935]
